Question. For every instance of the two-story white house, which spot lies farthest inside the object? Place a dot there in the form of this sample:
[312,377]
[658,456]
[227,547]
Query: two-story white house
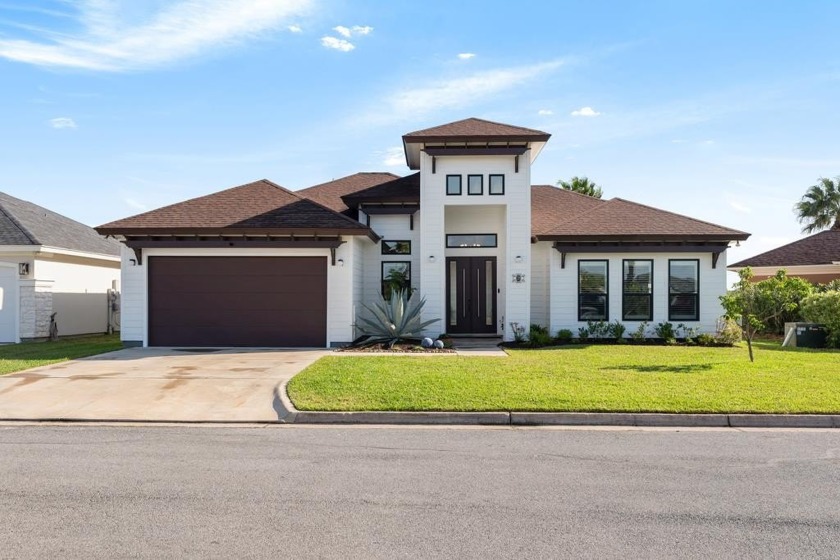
[259,265]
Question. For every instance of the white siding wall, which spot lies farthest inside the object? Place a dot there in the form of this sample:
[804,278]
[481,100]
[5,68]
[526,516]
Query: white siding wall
[514,299]
[74,278]
[390,228]
[564,288]
[540,283]
[340,294]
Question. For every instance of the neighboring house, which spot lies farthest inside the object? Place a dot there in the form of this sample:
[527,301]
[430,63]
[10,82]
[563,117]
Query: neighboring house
[258,265]
[815,258]
[52,264]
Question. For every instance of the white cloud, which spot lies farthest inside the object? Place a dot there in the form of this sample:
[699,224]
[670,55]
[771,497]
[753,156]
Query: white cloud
[337,44]
[362,29]
[343,31]
[295,28]
[180,29]
[466,55]
[738,206]
[63,122]
[136,204]
[585,112]
[460,92]
[393,157]
[545,112]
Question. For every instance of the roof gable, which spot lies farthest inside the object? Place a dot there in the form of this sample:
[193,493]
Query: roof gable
[401,189]
[330,194]
[820,248]
[474,128]
[25,223]
[261,205]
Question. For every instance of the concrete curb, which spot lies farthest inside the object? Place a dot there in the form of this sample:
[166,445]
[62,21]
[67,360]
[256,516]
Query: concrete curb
[402,418]
[286,411]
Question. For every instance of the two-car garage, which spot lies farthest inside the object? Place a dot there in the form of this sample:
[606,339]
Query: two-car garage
[237,301]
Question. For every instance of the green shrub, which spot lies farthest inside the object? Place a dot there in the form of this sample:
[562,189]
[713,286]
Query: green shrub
[538,337]
[598,329]
[518,332]
[640,333]
[825,308]
[617,330]
[728,332]
[833,286]
[583,334]
[565,335]
[706,339]
[666,332]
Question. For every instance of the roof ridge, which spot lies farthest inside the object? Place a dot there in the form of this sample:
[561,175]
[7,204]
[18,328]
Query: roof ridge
[570,191]
[618,199]
[318,204]
[502,124]
[29,235]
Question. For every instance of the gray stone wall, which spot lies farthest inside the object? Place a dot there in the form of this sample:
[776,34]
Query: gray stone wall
[36,305]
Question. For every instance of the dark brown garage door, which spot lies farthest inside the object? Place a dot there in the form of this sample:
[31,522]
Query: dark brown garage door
[237,301]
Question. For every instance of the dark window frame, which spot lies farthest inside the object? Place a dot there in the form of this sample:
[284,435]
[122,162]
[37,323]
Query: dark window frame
[383,281]
[493,246]
[606,293]
[625,293]
[460,185]
[384,241]
[480,184]
[696,294]
[490,184]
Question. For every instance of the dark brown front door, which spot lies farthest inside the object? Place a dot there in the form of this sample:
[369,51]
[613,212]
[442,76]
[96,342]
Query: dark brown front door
[237,301]
[471,295]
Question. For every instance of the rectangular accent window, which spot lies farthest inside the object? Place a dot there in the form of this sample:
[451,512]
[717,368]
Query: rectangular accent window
[684,290]
[396,247]
[475,184]
[497,184]
[471,240]
[396,275]
[453,185]
[637,290]
[593,295]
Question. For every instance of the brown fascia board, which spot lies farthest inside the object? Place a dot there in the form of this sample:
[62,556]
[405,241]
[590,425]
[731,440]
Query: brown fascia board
[498,138]
[238,231]
[348,199]
[647,238]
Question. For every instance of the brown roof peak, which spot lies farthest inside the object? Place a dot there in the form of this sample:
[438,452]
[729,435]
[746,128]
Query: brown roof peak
[474,127]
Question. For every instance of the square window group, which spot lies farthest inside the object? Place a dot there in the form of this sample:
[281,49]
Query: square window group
[475,185]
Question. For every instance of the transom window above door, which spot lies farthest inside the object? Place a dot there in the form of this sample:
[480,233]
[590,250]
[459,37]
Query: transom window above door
[471,240]
[396,247]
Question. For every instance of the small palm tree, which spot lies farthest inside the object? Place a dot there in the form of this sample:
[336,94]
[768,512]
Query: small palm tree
[582,185]
[820,207]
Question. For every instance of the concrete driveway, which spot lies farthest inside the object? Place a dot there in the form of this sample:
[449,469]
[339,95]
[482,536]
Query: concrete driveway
[158,384]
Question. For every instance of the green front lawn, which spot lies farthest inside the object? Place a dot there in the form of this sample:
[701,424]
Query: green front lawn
[17,357]
[580,378]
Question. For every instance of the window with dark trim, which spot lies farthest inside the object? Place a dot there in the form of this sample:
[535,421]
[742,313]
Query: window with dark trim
[396,247]
[593,290]
[496,184]
[471,240]
[637,290]
[396,275]
[475,184]
[453,184]
[684,290]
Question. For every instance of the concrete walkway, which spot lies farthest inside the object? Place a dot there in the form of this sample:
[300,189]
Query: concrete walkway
[156,384]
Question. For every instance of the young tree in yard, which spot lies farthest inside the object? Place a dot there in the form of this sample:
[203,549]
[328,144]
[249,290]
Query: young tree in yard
[820,206]
[754,305]
[581,185]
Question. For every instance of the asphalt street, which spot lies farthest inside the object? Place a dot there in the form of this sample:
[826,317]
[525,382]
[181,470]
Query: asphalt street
[372,492]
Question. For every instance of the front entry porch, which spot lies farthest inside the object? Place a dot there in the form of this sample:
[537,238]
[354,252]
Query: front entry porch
[471,295]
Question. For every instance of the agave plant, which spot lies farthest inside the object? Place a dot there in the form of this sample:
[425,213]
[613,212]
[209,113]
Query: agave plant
[394,320]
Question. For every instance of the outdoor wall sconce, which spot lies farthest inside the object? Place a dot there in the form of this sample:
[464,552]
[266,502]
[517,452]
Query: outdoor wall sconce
[23,269]
[518,259]
[340,262]
[431,258]
[518,278]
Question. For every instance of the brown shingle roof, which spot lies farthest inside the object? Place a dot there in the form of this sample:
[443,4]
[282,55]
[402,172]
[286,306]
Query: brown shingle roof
[402,189]
[820,248]
[621,219]
[329,194]
[261,205]
[478,129]
[551,206]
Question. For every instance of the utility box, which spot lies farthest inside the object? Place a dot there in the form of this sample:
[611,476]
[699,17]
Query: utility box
[805,335]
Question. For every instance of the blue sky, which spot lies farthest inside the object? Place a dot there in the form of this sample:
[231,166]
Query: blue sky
[725,111]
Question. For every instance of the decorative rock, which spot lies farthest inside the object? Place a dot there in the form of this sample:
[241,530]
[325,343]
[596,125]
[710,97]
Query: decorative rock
[438,344]
[426,342]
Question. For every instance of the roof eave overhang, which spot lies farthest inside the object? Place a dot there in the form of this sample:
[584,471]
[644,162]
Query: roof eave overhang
[412,144]
[290,232]
[736,236]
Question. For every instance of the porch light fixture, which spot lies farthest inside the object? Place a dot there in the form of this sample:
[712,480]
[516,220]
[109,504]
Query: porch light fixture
[431,258]
[340,262]
[23,269]
[518,259]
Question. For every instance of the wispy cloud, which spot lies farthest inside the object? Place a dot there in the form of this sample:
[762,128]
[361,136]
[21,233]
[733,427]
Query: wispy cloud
[457,92]
[63,122]
[179,30]
[466,55]
[393,157]
[136,204]
[342,45]
[585,112]
[545,112]
[738,206]
[295,28]
[351,31]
